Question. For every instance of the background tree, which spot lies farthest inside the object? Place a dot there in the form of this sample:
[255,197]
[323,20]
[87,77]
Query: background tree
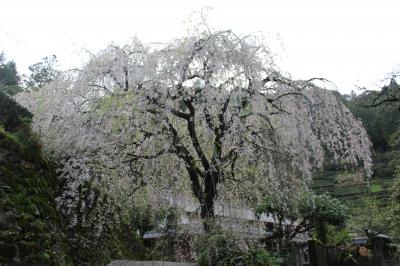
[9,78]
[302,215]
[388,95]
[208,110]
[395,209]
[381,122]
[12,115]
[42,72]
[370,218]
[380,114]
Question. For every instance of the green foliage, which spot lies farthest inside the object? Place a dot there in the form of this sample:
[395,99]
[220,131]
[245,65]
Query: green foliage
[165,247]
[27,186]
[308,212]
[142,219]
[389,95]
[376,188]
[370,217]
[348,186]
[372,207]
[381,122]
[338,236]
[203,258]
[9,78]
[120,242]
[395,209]
[394,152]
[119,238]
[224,250]
[395,190]
[8,72]
[377,213]
[323,208]
[310,207]
[42,72]
[261,257]
[11,89]
[32,231]
[12,115]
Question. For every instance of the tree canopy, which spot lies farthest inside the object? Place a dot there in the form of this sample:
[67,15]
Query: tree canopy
[42,72]
[9,78]
[302,215]
[208,110]
[382,121]
[388,95]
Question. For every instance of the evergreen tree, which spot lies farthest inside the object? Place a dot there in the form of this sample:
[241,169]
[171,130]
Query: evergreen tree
[9,78]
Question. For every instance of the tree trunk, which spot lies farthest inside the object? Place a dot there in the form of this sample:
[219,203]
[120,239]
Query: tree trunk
[322,232]
[207,214]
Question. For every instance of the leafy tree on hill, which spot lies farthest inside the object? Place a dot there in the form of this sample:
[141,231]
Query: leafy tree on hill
[9,79]
[42,72]
[308,213]
[395,207]
[388,95]
[370,217]
[379,110]
[382,120]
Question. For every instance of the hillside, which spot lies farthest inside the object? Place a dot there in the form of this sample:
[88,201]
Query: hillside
[383,125]
[352,193]
[30,226]
[33,232]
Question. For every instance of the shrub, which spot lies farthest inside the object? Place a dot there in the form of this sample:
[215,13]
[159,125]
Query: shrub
[12,115]
[261,257]
[224,250]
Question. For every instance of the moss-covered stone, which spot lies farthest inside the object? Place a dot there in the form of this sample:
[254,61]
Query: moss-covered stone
[30,221]
[32,230]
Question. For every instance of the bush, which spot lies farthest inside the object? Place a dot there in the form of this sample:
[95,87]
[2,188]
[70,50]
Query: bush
[224,250]
[259,257]
[11,89]
[12,115]
[339,237]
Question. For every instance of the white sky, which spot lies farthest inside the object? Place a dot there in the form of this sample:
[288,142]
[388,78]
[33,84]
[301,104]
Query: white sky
[348,42]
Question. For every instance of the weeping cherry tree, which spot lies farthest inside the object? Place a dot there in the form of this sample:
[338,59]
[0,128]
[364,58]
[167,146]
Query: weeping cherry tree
[210,109]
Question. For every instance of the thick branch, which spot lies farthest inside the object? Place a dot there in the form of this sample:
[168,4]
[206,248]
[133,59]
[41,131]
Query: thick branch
[193,136]
[191,167]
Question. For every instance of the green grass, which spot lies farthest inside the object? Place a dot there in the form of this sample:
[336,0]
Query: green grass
[376,188]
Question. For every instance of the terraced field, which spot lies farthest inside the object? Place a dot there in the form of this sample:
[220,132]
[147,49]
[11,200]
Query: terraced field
[352,192]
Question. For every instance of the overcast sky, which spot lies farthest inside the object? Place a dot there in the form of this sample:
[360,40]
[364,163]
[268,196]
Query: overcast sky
[348,42]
